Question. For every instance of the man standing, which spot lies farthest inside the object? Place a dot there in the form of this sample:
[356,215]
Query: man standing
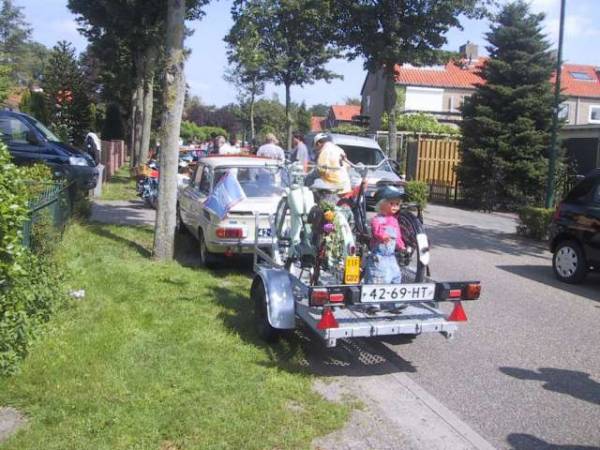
[300,153]
[222,147]
[270,149]
[332,167]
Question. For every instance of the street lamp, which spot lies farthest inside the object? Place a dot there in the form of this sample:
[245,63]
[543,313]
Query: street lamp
[552,163]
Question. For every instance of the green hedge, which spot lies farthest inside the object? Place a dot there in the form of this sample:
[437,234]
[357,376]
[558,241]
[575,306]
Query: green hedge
[417,192]
[534,222]
[30,285]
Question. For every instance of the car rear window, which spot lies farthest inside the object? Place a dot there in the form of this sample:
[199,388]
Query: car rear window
[582,191]
[256,181]
[365,155]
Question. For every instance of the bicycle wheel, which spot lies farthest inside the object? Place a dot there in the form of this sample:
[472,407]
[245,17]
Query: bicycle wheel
[414,237]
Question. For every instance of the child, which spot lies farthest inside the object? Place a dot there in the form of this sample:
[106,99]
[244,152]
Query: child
[382,266]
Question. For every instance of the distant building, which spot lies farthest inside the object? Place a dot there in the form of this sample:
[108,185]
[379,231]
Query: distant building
[317,123]
[441,90]
[341,114]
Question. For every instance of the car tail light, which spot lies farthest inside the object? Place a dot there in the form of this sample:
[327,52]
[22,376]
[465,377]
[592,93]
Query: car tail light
[471,291]
[230,233]
[556,214]
[454,293]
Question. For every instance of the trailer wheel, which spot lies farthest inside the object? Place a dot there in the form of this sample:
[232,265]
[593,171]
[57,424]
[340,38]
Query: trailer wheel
[261,318]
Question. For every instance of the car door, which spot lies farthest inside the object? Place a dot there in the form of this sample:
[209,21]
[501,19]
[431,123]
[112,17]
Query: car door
[23,142]
[193,197]
[591,234]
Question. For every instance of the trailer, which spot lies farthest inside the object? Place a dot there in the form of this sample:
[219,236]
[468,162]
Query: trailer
[284,297]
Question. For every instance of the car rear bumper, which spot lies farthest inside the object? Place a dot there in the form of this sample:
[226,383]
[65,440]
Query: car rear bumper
[236,247]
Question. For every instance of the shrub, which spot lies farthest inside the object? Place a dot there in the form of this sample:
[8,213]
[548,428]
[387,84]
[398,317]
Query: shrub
[417,192]
[534,222]
[29,285]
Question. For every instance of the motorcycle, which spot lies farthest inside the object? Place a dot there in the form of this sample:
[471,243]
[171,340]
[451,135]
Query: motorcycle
[147,187]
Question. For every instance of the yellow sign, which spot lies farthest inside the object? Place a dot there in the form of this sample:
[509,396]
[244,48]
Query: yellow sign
[352,270]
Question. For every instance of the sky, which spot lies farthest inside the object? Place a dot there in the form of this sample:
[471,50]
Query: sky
[52,21]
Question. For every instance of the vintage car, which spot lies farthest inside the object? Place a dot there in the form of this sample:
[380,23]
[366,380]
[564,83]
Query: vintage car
[262,181]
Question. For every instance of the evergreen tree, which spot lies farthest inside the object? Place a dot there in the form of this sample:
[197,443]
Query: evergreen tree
[67,94]
[14,35]
[303,118]
[507,122]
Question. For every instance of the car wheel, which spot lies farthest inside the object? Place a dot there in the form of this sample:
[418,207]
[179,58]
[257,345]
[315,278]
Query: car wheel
[261,318]
[569,263]
[207,258]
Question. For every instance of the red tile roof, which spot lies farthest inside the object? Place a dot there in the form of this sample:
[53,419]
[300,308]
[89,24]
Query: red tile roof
[450,75]
[316,123]
[579,88]
[345,112]
[453,76]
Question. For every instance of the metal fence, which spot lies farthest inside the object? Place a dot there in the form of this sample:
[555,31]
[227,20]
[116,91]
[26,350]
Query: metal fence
[52,207]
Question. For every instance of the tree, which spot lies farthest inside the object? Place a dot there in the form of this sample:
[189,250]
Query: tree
[4,82]
[14,35]
[352,101]
[394,32]
[319,109]
[66,94]
[112,128]
[247,73]
[174,91]
[507,121]
[295,41]
[303,119]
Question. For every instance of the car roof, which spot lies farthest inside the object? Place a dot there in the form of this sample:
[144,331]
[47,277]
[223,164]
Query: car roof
[347,139]
[239,160]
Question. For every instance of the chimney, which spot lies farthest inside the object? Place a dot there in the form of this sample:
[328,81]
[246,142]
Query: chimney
[469,51]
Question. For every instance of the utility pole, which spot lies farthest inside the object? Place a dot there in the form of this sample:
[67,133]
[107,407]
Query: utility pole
[552,163]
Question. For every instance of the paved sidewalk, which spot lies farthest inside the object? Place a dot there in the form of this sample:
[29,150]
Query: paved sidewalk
[122,212]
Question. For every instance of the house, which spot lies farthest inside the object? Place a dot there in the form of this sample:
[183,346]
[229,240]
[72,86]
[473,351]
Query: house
[341,114]
[441,90]
[317,123]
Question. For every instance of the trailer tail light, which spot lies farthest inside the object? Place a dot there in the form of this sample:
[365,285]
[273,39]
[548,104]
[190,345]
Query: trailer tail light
[471,291]
[327,320]
[318,297]
[454,293]
[336,298]
[458,313]
[230,233]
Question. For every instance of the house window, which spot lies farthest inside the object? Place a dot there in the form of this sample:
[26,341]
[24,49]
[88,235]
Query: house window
[563,112]
[583,76]
[594,114]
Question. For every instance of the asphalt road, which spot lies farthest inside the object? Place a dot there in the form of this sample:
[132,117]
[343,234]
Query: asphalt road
[524,371]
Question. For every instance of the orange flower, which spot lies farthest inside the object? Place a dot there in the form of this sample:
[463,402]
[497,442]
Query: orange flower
[329,216]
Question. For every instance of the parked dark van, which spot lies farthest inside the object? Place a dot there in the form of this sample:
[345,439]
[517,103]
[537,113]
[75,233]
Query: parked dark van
[30,142]
[575,231]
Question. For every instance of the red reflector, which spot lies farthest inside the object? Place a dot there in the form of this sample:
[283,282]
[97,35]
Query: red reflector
[336,298]
[319,297]
[232,233]
[471,291]
[454,293]
[458,313]
[327,320]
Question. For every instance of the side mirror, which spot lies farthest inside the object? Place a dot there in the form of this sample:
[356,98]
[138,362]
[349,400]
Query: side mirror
[395,166]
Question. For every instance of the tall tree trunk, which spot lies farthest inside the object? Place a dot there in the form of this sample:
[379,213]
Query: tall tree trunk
[149,69]
[288,119]
[252,129]
[174,90]
[132,154]
[139,108]
[390,106]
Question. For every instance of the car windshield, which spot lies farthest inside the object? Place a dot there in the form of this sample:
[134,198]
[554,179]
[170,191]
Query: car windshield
[49,135]
[365,155]
[256,181]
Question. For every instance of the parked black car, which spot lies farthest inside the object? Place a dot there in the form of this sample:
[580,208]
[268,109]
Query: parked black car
[29,142]
[575,231]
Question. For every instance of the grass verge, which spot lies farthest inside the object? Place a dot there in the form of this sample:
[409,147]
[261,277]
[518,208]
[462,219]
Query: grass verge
[121,186]
[159,356]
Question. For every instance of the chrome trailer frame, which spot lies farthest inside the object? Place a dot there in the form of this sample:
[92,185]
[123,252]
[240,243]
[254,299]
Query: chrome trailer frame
[287,299]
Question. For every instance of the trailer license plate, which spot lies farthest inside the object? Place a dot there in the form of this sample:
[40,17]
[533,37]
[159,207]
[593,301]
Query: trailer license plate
[375,293]
[264,232]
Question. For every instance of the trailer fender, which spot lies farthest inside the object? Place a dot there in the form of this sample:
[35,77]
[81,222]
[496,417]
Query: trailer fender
[280,298]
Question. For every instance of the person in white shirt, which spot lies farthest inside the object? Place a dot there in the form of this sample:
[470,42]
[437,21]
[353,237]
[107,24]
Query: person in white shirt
[300,152]
[223,147]
[270,149]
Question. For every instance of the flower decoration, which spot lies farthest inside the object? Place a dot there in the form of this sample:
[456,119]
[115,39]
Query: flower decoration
[329,227]
[329,216]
